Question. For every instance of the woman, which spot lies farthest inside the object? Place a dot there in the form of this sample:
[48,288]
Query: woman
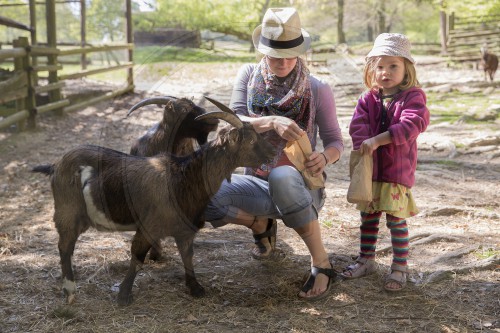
[282,101]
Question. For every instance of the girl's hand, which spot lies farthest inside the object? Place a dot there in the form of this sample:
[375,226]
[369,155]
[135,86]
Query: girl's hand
[315,164]
[368,146]
[287,128]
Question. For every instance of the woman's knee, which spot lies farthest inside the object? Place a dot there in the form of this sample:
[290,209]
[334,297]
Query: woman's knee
[285,180]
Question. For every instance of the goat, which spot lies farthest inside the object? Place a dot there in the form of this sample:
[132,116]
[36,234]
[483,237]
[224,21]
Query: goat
[489,62]
[177,130]
[177,133]
[156,197]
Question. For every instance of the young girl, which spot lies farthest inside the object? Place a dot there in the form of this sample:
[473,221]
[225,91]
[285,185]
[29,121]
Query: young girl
[386,123]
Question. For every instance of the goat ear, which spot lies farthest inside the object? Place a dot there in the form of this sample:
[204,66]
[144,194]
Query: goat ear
[233,137]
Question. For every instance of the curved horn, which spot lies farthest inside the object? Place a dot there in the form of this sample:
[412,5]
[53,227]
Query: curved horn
[149,101]
[218,104]
[231,118]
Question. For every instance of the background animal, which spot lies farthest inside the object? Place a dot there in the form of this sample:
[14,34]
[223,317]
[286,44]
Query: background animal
[177,133]
[156,196]
[489,62]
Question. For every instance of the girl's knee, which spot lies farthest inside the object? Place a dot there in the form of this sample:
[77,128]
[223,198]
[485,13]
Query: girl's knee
[395,222]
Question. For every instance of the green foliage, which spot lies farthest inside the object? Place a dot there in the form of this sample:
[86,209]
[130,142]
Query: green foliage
[154,54]
[452,106]
[106,20]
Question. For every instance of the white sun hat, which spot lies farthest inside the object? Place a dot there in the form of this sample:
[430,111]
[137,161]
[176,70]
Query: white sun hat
[280,35]
[391,44]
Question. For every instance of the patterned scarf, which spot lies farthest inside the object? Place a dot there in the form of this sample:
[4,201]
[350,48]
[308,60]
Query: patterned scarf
[289,97]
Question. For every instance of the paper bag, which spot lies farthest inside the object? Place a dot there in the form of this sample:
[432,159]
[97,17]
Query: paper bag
[297,152]
[360,172]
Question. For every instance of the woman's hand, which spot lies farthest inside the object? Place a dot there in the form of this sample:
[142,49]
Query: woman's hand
[316,163]
[287,128]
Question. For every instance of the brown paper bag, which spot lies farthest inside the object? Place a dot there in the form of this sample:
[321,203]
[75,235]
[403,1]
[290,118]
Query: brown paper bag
[297,152]
[360,172]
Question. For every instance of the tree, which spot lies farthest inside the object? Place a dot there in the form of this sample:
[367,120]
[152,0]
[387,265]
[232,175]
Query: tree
[340,22]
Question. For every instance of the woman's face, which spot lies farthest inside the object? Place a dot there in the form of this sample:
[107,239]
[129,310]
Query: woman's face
[389,73]
[281,67]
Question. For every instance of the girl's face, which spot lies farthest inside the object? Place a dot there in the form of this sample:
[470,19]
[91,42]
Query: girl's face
[389,73]
[281,67]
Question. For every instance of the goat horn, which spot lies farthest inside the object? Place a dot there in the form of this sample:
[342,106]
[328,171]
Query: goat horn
[218,104]
[231,118]
[149,101]
[227,114]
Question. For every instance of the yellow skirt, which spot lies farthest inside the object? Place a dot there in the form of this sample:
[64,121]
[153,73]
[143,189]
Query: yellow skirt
[391,198]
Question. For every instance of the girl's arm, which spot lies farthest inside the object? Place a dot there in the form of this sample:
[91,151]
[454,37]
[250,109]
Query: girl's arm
[370,145]
[359,128]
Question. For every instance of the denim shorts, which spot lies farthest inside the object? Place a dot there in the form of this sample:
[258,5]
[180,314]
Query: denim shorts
[283,196]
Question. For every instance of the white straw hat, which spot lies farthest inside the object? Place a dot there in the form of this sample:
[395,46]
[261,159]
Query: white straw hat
[280,35]
[391,44]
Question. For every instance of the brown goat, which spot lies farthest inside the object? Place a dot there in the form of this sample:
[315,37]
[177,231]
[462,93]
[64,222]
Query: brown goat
[156,196]
[489,62]
[177,133]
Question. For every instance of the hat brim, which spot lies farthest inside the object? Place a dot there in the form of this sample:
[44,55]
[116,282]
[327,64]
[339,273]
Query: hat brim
[383,51]
[281,53]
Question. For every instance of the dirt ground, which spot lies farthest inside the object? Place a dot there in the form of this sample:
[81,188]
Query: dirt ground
[454,284]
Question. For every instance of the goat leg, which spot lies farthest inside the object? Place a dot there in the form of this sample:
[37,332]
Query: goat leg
[155,252]
[185,247]
[66,247]
[140,247]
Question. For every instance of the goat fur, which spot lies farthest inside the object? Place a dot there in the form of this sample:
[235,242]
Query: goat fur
[156,196]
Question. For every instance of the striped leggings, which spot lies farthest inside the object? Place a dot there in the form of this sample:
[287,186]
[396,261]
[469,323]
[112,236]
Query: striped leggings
[399,237]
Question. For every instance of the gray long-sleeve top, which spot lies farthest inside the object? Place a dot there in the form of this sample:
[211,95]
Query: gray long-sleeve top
[326,115]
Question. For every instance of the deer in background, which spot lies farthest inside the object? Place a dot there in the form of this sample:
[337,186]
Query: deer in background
[489,62]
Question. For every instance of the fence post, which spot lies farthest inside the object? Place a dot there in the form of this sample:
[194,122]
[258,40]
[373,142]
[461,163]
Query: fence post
[28,103]
[50,12]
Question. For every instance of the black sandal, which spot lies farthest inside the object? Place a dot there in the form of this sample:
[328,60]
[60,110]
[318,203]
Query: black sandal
[330,272]
[270,234]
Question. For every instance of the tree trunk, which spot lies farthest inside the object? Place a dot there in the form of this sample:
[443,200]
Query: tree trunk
[340,22]
[262,13]
[381,16]
[442,16]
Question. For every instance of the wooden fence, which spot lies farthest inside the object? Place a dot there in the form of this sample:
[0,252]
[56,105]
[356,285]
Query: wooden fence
[23,86]
[467,34]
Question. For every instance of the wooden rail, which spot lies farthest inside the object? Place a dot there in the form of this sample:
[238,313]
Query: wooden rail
[22,87]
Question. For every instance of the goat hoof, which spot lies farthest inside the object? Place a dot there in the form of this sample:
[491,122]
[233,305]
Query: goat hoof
[70,299]
[124,300]
[197,291]
[155,256]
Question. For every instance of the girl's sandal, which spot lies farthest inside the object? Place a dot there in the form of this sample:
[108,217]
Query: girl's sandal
[261,251]
[362,267]
[398,279]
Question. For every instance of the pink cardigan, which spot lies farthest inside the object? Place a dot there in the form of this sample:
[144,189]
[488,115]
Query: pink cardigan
[408,117]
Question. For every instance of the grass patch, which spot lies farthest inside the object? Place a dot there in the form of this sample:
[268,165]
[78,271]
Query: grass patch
[452,106]
[448,163]
[327,223]
[486,253]
[154,54]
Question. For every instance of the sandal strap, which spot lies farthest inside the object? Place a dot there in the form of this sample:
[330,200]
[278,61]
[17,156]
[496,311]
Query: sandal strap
[270,231]
[329,272]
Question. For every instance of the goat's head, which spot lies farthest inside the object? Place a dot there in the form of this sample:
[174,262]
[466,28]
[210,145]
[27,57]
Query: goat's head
[243,141]
[484,50]
[182,112]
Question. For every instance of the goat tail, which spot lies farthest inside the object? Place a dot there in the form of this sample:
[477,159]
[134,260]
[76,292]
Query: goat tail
[47,169]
